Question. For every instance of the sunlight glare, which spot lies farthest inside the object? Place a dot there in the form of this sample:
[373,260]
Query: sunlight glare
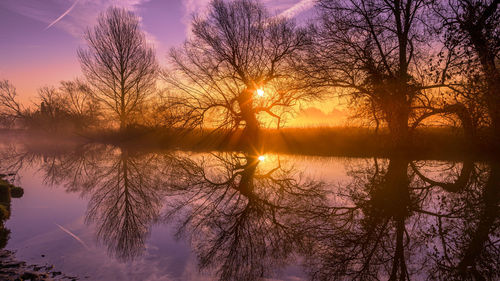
[262,158]
[260,92]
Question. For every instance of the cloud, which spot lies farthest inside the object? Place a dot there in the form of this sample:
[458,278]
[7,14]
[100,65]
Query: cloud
[193,7]
[72,16]
[286,8]
[297,8]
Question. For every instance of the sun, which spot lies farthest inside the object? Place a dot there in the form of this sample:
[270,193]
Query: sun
[260,92]
[262,158]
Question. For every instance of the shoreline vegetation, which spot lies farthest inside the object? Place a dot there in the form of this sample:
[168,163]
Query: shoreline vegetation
[443,143]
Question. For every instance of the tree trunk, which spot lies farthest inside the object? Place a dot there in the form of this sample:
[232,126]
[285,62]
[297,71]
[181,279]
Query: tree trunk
[251,133]
[487,59]
[485,225]
[123,121]
[397,120]
[246,185]
[494,111]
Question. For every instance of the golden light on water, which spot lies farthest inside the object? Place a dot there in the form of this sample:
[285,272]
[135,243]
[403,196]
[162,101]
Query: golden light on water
[262,158]
[260,92]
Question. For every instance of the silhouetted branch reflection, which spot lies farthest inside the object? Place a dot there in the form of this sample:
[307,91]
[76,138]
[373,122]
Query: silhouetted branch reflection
[393,222]
[125,202]
[366,237]
[248,216]
[124,188]
[467,242]
[244,216]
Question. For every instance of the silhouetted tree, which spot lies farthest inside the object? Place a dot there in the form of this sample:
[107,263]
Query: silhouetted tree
[119,65]
[376,52]
[234,52]
[81,107]
[51,113]
[68,109]
[10,108]
[472,30]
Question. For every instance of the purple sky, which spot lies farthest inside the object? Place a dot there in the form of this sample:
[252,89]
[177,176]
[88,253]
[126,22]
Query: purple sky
[39,38]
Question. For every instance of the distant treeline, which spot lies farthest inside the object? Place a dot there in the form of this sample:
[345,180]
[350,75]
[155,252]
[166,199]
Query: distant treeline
[402,64]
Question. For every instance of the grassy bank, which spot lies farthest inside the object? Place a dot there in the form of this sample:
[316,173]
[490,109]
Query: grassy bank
[426,143]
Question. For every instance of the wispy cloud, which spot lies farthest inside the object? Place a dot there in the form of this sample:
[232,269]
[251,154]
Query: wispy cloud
[285,8]
[192,7]
[298,8]
[80,15]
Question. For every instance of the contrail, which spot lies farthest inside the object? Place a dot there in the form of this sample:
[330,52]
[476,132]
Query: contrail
[63,15]
[73,235]
[297,8]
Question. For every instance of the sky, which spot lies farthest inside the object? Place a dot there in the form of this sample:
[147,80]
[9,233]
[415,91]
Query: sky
[39,38]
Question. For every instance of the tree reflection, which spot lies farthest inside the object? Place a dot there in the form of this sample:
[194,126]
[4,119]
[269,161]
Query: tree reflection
[467,243]
[249,216]
[125,202]
[125,189]
[244,216]
[394,222]
[366,232]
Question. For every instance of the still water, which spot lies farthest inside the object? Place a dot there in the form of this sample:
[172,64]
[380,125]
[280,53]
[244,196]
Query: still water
[102,212]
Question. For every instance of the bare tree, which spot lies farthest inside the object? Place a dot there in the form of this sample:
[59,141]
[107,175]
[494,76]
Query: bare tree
[77,95]
[10,108]
[376,52]
[68,108]
[120,67]
[236,65]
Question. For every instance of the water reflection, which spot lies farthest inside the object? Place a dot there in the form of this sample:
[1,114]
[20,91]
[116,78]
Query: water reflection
[248,216]
[396,223]
[469,236]
[125,189]
[244,215]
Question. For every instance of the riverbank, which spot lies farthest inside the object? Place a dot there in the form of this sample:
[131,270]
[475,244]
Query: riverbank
[13,269]
[427,143]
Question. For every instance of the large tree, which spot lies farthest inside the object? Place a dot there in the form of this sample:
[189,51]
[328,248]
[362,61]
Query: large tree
[119,65]
[238,64]
[376,51]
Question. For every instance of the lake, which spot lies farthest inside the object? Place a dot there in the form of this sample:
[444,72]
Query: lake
[103,212]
